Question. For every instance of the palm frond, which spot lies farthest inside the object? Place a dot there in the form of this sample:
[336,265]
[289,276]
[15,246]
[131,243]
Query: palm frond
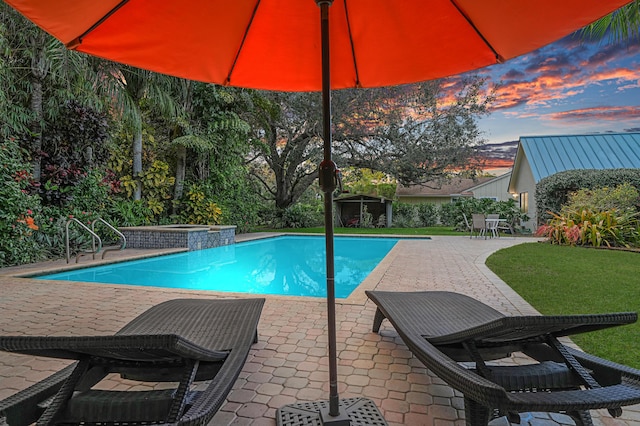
[621,25]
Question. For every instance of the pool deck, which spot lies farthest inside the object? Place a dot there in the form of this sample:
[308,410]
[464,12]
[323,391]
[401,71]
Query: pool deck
[289,363]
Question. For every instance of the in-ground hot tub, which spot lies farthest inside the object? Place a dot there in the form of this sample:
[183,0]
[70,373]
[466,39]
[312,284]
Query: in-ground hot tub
[192,237]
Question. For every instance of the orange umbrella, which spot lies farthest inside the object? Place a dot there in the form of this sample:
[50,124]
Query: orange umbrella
[289,45]
[275,44]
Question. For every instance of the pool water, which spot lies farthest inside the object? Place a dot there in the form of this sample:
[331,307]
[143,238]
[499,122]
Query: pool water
[287,265]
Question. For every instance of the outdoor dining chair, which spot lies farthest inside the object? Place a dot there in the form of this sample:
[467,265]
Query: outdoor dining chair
[478,225]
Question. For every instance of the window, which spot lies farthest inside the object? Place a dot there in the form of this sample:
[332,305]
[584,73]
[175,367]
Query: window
[524,202]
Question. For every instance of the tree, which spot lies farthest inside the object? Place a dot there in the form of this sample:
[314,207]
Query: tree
[208,124]
[287,138]
[130,89]
[38,76]
[414,133]
[417,133]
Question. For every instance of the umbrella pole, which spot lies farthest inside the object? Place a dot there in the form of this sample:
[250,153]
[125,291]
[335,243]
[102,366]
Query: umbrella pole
[328,184]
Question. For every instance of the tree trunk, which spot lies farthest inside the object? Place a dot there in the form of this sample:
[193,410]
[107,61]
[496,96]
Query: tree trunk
[137,163]
[36,129]
[181,166]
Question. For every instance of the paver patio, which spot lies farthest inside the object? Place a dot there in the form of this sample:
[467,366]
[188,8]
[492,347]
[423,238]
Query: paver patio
[289,364]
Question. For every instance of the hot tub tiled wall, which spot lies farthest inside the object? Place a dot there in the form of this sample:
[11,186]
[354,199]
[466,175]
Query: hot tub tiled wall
[192,237]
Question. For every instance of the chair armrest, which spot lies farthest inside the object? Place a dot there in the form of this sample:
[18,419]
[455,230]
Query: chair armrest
[24,407]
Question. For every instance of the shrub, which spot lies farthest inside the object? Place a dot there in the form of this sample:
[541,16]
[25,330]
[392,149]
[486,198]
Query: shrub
[448,214]
[20,216]
[299,215]
[623,197]
[90,194]
[452,214]
[553,191]
[405,215]
[428,214]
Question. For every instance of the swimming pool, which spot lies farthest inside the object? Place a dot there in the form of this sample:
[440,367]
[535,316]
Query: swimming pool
[286,265]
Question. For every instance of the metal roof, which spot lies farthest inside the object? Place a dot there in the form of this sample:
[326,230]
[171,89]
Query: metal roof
[549,155]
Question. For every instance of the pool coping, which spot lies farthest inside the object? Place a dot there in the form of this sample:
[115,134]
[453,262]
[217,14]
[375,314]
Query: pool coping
[357,296]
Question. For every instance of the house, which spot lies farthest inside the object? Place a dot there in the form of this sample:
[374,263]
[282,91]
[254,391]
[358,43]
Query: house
[541,156]
[482,187]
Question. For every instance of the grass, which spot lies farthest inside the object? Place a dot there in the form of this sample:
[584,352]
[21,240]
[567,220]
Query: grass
[433,230]
[573,280]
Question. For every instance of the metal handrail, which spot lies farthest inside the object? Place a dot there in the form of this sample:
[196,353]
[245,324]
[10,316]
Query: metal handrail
[118,233]
[93,234]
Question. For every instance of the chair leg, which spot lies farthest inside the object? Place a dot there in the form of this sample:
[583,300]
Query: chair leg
[582,418]
[475,414]
[377,320]
[61,398]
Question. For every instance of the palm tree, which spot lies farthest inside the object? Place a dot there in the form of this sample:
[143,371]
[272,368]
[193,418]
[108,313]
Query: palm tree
[129,88]
[36,68]
[623,24]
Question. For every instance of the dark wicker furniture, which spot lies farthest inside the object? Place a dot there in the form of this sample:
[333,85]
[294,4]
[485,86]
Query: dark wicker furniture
[183,341]
[446,330]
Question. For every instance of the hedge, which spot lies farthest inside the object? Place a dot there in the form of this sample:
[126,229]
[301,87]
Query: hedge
[553,191]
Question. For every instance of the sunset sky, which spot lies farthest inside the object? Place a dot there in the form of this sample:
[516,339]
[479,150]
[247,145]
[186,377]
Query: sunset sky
[569,87]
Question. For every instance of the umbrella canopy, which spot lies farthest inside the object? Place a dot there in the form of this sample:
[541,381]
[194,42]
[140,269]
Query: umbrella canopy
[275,44]
[288,45]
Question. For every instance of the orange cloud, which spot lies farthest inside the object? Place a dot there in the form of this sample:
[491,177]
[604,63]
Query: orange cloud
[551,86]
[598,113]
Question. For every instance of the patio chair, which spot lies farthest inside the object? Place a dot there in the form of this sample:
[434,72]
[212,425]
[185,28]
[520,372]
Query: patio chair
[454,336]
[492,222]
[468,226]
[183,341]
[478,225]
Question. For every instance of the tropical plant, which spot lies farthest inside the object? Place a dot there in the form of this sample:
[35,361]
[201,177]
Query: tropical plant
[610,228]
[200,208]
[157,184]
[130,213]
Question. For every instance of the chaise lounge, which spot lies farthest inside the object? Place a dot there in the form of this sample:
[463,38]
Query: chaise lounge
[454,335]
[183,341]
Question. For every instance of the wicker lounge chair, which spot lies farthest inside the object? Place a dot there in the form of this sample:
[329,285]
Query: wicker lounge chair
[445,330]
[182,341]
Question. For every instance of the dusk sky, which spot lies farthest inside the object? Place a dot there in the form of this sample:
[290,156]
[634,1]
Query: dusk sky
[569,87]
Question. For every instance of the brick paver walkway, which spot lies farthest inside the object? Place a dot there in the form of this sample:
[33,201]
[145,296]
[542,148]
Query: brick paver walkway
[289,363]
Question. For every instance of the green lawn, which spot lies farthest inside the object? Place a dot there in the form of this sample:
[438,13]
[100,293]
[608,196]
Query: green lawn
[434,230]
[573,280]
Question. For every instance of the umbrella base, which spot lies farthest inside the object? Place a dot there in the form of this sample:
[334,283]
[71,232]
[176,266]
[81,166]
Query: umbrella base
[359,411]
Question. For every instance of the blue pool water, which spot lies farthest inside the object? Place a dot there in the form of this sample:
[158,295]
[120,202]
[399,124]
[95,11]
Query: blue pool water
[288,265]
